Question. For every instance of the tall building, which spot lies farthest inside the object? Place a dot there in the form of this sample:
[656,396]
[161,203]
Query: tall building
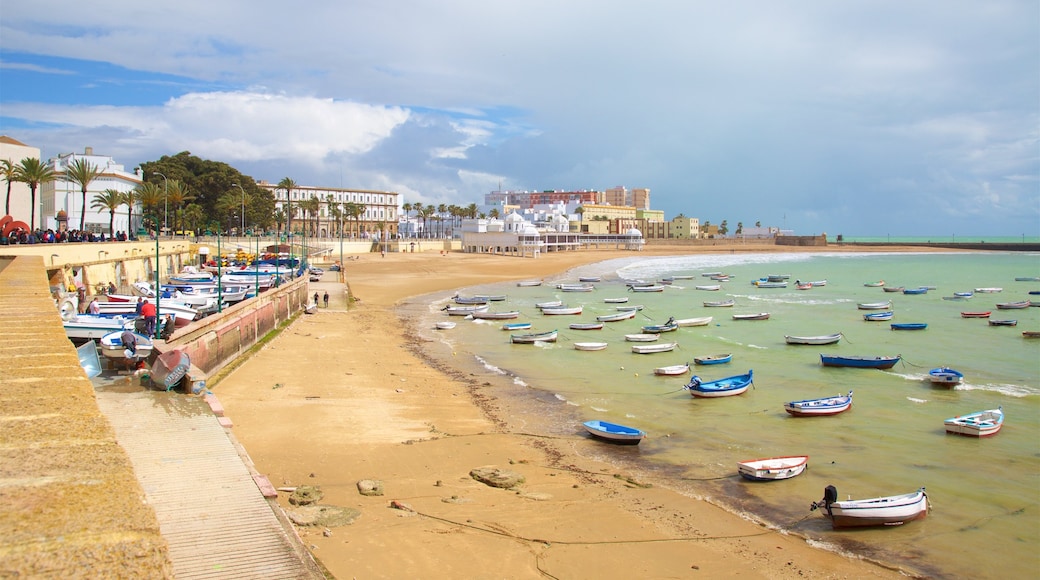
[63,199]
[529,199]
[362,213]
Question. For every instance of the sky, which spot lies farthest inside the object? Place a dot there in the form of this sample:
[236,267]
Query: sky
[861,118]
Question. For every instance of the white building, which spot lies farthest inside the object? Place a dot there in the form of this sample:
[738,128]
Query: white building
[21,204]
[65,195]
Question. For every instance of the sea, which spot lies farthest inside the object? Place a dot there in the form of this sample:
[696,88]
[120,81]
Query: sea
[984,519]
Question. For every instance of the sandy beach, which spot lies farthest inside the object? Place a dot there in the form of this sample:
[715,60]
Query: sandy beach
[346,395]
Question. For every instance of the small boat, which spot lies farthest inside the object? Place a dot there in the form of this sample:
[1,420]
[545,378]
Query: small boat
[652,348]
[964,294]
[921,290]
[909,326]
[894,288]
[516,326]
[112,345]
[1027,279]
[621,300]
[1013,305]
[1003,322]
[877,284]
[879,511]
[669,326]
[713,359]
[590,345]
[94,326]
[652,288]
[698,321]
[491,297]
[767,284]
[169,368]
[529,283]
[470,299]
[945,376]
[758,316]
[988,290]
[465,310]
[875,305]
[548,336]
[727,387]
[562,310]
[955,297]
[589,279]
[682,276]
[710,274]
[821,407]
[549,304]
[720,303]
[633,308]
[860,362]
[614,433]
[642,337]
[773,468]
[878,316]
[806,286]
[976,314]
[816,283]
[673,370]
[1031,334]
[822,339]
[709,287]
[586,326]
[502,315]
[980,424]
[623,315]
[576,287]
[445,325]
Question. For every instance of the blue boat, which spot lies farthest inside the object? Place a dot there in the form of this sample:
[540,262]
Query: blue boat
[945,376]
[860,362]
[878,316]
[819,407]
[516,326]
[669,326]
[909,326]
[713,359]
[921,290]
[726,387]
[614,433]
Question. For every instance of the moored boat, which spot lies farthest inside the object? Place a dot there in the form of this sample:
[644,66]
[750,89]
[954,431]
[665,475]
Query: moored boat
[465,310]
[621,300]
[673,370]
[757,316]
[875,305]
[820,407]
[726,387]
[773,468]
[713,359]
[549,304]
[642,337]
[697,321]
[652,348]
[590,345]
[562,310]
[878,316]
[529,283]
[586,326]
[877,284]
[652,288]
[720,303]
[894,288]
[879,511]
[1013,305]
[708,287]
[512,326]
[669,326]
[945,376]
[861,362]
[1031,334]
[501,315]
[576,287]
[990,290]
[909,326]
[1003,322]
[921,290]
[623,315]
[978,424]
[614,433]
[816,340]
[548,336]
[445,325]
[976,314]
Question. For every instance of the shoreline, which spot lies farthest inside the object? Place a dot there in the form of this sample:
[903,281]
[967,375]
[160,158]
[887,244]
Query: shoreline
[389,409]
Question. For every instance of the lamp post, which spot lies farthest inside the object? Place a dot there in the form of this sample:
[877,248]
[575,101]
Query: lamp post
[242,231]
[166,202]
[158,289]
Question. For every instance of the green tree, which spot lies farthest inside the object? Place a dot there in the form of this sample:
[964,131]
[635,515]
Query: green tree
[131,198]
[288,185]
[177,195]
[108,200]
[7,172]
[83,172]
[33,172]
[355,211]
[723,228]
[151,198]
[194,216]
[740,228]
[279,219]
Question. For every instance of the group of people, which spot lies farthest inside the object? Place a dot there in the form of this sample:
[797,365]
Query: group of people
[49,236]
[325,298]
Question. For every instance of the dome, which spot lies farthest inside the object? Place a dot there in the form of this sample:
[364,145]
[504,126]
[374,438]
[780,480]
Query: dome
[634,232]
[513,217]
[530,230]
[61,215]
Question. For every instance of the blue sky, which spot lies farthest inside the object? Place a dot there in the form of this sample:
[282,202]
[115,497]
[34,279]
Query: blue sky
[856,117]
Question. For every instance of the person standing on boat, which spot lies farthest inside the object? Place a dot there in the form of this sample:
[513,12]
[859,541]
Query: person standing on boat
[94,308]
[326,299]
[148,311]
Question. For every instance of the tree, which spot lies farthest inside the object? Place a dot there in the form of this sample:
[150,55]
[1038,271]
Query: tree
[758,224]
[130,198]
[311,207]
[279,218]
[441,210]
[7,172]
[151,198]
[355,210]
[32,172]
[740,228]
[83,172]
[194,216]
[110,200]
[288,185]
[177,195]
[723,228]
[335,214]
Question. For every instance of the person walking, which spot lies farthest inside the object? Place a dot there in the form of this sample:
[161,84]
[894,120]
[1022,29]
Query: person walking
[326,298]
[315,298]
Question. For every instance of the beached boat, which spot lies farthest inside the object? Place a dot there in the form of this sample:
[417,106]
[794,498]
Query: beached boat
[878,316]
[529,283]
[470,300]
[652,348]
[445,325]
[126,305]
[589,279]
[945,376]
[767,284]
[669,326]
[93,326]
[548,336]
[875,305]
[877,284]
[549,304]
[491,297]
[727,387]
[513,326]
[621,300]
[976,314]
[821,339]
[586,326]
[112,345]
[708,287]
[979,424]
[773,468]
[1031,334]
[1003,322]
[562,310]
[879,511]
[909,325]
[713,359]
[576,287]
[673,370]
[169,368]
[820,407]
[652,288]
[502,315]
[757,316]
[465,310]
[642,337]
[720,303]
[921,290]
[860,362]
[623,315]
[1013,305]
[894,288]
[614,433]
[990,290]
[590,345]
[698,321]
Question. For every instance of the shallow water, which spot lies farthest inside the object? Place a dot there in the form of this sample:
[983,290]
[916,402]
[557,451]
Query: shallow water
[984,493]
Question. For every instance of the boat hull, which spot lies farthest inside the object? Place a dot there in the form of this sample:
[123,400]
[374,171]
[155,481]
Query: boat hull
[614,433]
[821,407]
[714,359]
[980,424]
[773,468]
[860,362]
[885,511]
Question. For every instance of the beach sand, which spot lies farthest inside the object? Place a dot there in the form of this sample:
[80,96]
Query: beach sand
[342,396]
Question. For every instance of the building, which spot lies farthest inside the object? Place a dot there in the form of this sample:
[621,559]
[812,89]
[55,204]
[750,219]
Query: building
[347,213]
[20,201]
[684,228]
[62,199]
[620,195]
[529,199]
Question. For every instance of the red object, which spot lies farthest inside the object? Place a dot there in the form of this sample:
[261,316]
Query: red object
[147,309]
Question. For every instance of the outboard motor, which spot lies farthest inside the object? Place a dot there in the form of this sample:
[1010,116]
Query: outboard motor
[830,495]
[694,381]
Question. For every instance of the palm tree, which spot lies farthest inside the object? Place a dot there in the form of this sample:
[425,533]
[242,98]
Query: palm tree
[7,172]
[151,198]
[311,207]
[279,218]
[177,195]
[334,213]
[740,228]
[32,172]
[356,210]
[109,199]
[288,185]
[193,216]
[441,210]
[130,198]
[83,172]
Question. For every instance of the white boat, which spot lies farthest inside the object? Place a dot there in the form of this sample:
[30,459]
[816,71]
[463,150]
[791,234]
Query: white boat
[988,290]
[699,321]
[634,307]
[548,336]
[773,468]
[1013,305]
[549,304]
[652,288]
[112,345]
[875,305]
[819,282]
[720,303]
[514,326]
[673,370]
[756,316]
[93,327]
[501,315]
[529,283]
[562,310]
[586,326]
[821,407]
[623,315]
[945,376]
[127,305]
[590,345]
[979,424]
[470,300]
[445,325]
[822,339]
[465,310]
[575,287]
[893,510]
[709,287]
[645,337]
[614,433]
[652,348]
[589,279]
[616,300]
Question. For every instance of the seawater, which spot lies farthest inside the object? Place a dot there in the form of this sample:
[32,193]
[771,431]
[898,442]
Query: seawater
[985,519]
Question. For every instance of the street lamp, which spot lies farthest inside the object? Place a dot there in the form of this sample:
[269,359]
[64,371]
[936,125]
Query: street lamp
[166,195]
[242,231]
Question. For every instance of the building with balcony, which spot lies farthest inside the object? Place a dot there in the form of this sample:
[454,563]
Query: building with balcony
[339,212]
[62,199]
